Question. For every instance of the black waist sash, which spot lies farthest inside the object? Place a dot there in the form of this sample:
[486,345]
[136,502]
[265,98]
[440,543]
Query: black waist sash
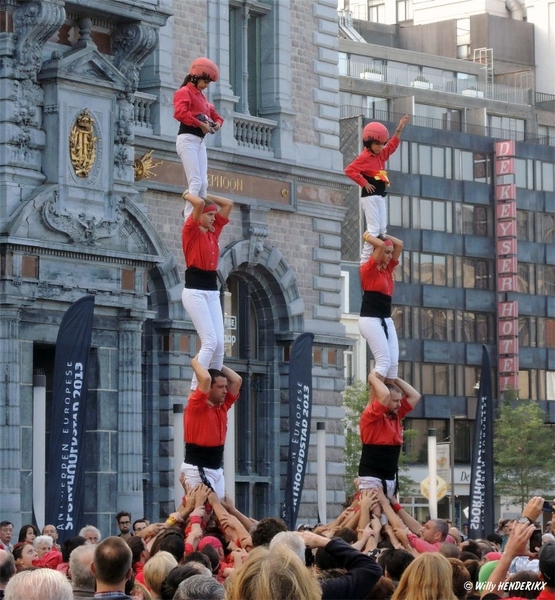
[379,461]
[210,457]
[199,279]
[190,129]
[375,304]
[379,187]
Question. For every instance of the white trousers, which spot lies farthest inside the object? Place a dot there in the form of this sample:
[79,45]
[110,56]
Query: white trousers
[376,214]
[205,311]
[214,476]
[192,152]
[384,349]
[373,483]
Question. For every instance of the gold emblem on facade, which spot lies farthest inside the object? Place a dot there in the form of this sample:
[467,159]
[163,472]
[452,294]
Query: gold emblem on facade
[144,166]
[82,144]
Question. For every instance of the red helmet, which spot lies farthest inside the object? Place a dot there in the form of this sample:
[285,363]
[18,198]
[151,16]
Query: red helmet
[375,132]
[204,68]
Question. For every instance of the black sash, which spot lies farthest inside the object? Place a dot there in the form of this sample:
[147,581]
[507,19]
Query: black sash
[210,457]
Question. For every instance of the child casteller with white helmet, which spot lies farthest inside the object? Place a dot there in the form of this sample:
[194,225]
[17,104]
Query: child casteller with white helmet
[197,117]
[368,171]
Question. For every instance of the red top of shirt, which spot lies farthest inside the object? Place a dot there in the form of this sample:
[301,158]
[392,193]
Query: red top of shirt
[368,163]
[206,425]
[378,428]
[201,248]
[188,102]
[374,279]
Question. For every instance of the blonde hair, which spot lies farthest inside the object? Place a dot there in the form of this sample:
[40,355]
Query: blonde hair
[156,569]
[428,577]
[277,573]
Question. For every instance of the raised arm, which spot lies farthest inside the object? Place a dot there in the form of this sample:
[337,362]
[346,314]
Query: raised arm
[225,204]
[379,389]
[203,376]
[409,392]
[402,122]
[378,245]
[197,202]
[234,380]
[397,246]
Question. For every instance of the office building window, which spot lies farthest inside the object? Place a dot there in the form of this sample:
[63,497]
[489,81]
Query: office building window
[438,324]
[399,160]
[524,176]
[472,166]
[404,10]
[399,211]
[436,215]
[545,228]
[376,11]
[546,280]
[526,280]
[472,219]
[544,176]
[525,225]
[474,327]
[477,274]
[506,127]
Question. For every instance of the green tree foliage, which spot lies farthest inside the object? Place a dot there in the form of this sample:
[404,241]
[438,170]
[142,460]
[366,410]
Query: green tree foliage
[355,400]
[524,452]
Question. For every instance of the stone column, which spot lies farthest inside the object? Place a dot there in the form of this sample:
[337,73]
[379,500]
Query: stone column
[130,418]
[10,455]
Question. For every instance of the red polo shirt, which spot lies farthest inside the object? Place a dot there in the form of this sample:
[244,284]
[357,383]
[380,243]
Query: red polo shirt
[377,428]
[206,425]
[201,248]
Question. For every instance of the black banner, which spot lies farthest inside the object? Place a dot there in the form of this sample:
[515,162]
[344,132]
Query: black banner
[300,411]
[481,512]
[65,461]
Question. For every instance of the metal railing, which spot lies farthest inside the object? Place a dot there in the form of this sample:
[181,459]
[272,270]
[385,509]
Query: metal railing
[447,125]
[412,77]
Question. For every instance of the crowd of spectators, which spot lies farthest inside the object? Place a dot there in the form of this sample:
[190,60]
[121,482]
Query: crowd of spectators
[209,550]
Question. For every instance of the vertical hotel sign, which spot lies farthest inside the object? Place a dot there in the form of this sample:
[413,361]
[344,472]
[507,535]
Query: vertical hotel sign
[507,264]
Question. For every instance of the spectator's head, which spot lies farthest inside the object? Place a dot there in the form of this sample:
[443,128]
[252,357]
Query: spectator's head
[112,564]
[139,525]
[197,557]
[455,534]
[213,557]
[24,554]
[123,519]
[7,567]
[547,564]
[473,547]
[170,540]
[291,540]
[263,532]
[43,544]
[450,550]
[275,573]
[495,539]
[138,549]
[51,531]
[394,562]
[91,534]
[473,567]
[435,530]
[39,584]
[529,581]
[80,567]
[461,578]
[157,569]
[28,533]
[69,546]
[179,574]
[214,542]
[200,587]
[383,590]
[6,532]
[347,534]
[428,577]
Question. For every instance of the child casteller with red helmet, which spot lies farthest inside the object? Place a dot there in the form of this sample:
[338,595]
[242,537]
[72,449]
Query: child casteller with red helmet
[368,171]
[197,117]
